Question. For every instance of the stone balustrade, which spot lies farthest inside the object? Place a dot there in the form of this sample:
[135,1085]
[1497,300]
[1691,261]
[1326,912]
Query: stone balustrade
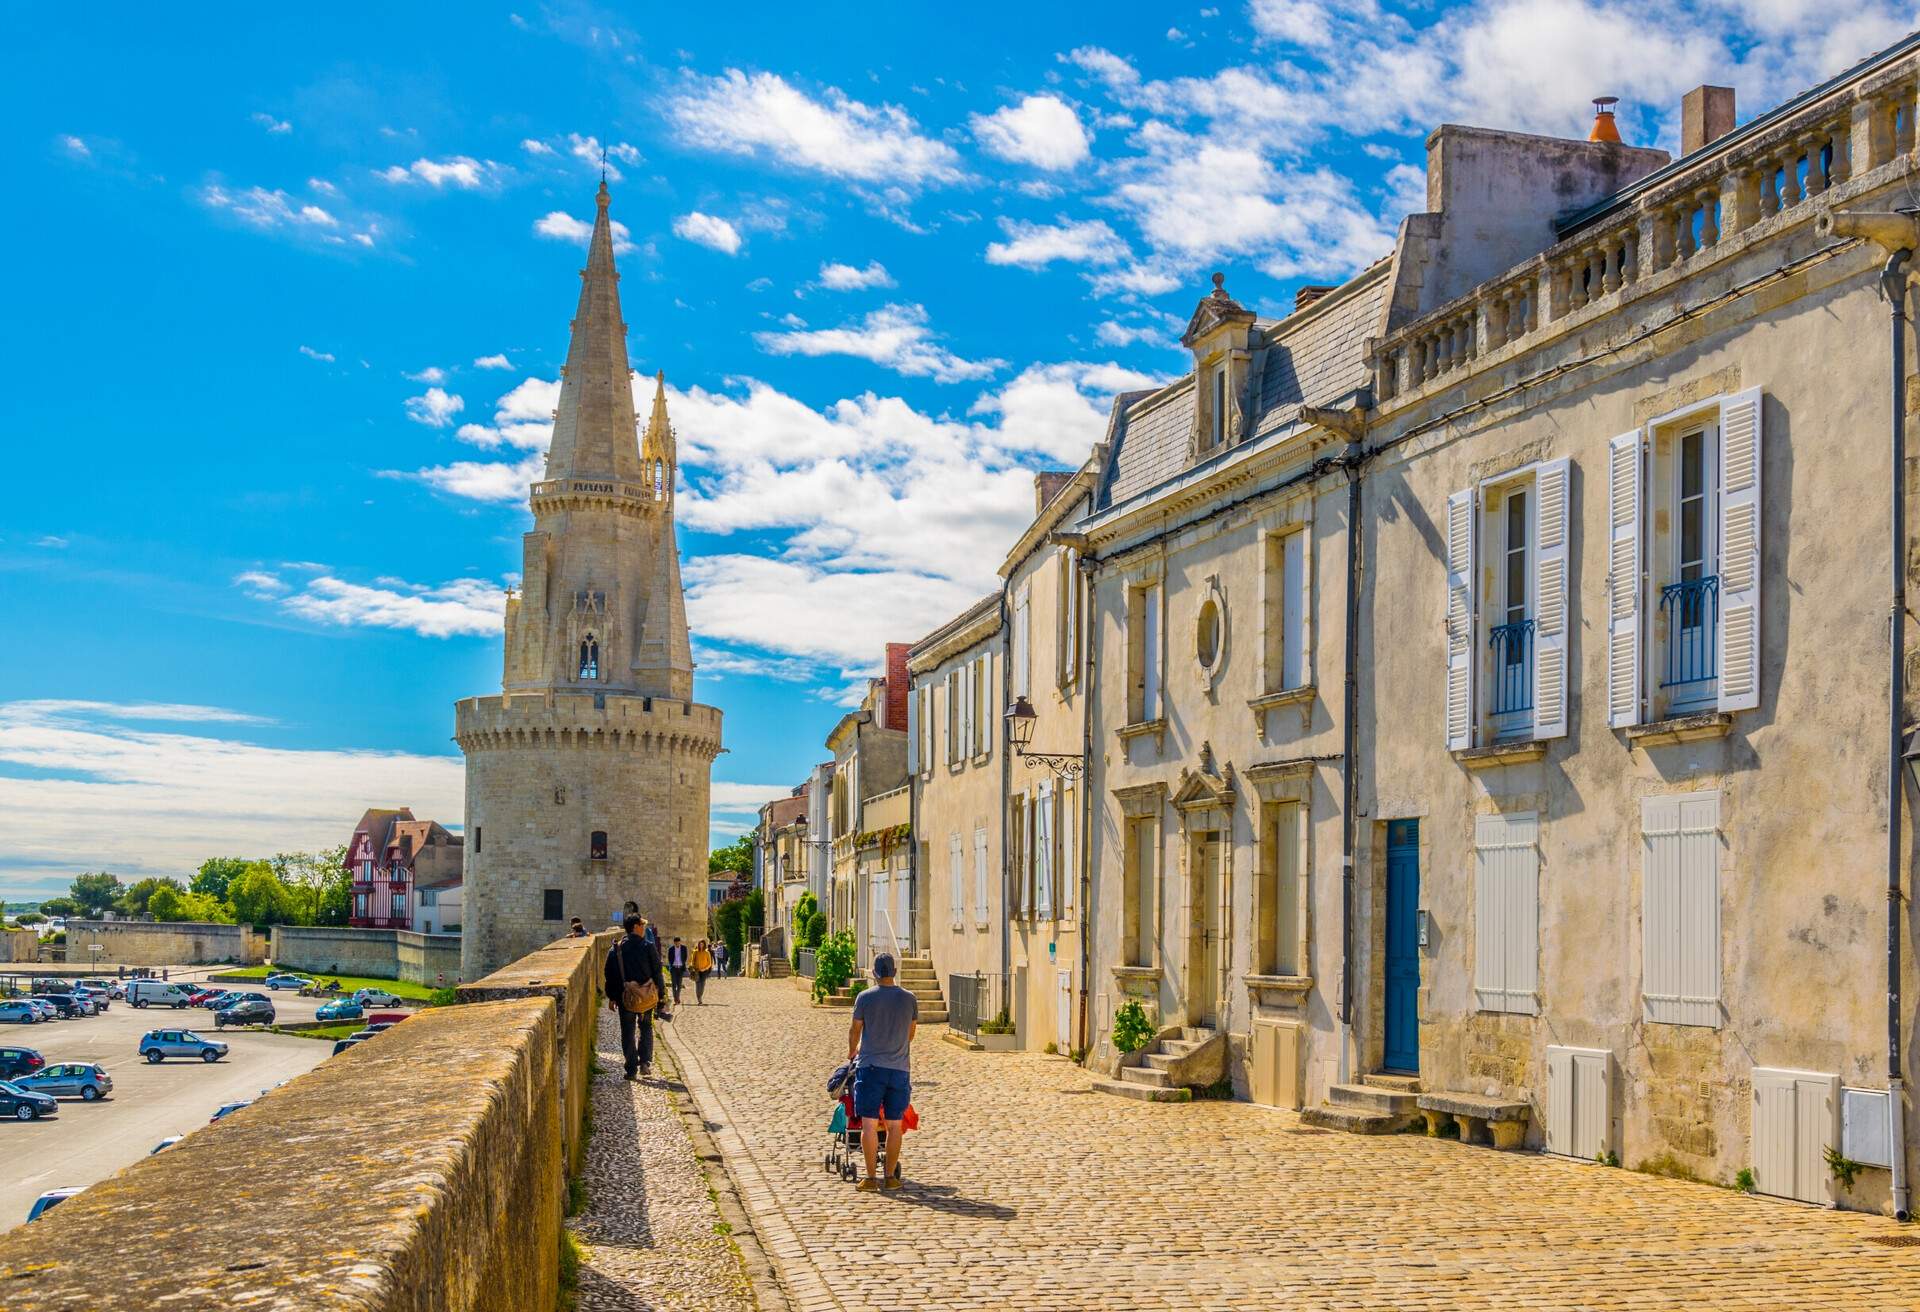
[423,1171]
[1683,218]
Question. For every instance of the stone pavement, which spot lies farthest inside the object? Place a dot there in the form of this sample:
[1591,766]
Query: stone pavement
[652,1236]
[1027,1190]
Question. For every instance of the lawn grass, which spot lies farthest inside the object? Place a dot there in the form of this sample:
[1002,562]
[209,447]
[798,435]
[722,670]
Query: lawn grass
[400,988]
[330,1033]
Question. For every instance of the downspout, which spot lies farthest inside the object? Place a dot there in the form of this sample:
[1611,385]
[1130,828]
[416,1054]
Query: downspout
[1898,234]
[1006,781]
[1088,856]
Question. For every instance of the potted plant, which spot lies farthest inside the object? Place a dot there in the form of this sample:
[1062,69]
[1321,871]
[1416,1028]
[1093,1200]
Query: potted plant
[997,1035]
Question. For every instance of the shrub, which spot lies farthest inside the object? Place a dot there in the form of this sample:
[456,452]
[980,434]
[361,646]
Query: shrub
[1001,1024]
[832,964]
[816,929]
[856,987]
[442,998]
[1132,1030]
[1743,1179]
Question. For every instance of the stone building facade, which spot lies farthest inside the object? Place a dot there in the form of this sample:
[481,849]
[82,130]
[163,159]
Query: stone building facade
[870,887]
[587,776]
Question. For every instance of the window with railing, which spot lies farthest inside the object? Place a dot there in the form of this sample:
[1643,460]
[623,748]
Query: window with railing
[1690,596]
[1510,637]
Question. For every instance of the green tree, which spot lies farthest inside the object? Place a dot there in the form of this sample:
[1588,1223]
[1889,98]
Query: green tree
[216,874]
[164,904]
[60,906]
[729,921]
[95,894]
[137,900]
[756,917]
[736,858]
[201,907]
[259,898]
[310,879]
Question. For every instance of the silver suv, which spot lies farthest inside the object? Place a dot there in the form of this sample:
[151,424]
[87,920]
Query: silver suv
[158,1045]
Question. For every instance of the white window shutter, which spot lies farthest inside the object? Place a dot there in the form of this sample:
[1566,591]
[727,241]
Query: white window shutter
[1460,626]
[953,716]
[1625,596]
[982,877]
[1043,852]
[1506,900]
[1680,909]
[1069,848]
[1740,460]
[968,680]
[1560,1136]
[913,732]
[983,704]
[956,880]
[1489,925]
[1150,648]
[1523,925]
[1552,615]
[1294,671]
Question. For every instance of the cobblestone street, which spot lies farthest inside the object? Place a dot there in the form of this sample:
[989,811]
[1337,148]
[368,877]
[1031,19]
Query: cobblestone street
[1027,1190]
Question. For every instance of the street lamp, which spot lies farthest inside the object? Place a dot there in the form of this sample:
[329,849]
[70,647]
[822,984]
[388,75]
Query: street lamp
[1021,718]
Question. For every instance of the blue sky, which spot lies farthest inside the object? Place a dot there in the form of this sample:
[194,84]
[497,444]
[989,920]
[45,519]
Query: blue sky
[290,288]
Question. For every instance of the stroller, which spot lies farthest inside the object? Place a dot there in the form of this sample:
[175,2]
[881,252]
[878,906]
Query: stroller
[844,1151]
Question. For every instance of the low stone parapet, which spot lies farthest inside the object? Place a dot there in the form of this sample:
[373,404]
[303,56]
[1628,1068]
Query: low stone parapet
[423,1171]
[1504,1119]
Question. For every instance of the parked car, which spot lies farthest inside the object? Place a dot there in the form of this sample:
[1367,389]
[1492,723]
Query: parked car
[386,1017]
[19,1061]
[341,1009]
[371,997]
[158,1045]
[69,1079]
[42,1008]
[62,1003]
[341,1045]
[51,1199]
[166,1143]
[224,998]
[226,1109]
[24,1104]
[288,981]
[247,1011]
[379,1026]
[111,987]
[157,993]
[18,1011]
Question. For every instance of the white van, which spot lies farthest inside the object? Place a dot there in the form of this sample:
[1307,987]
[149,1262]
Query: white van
[160,993]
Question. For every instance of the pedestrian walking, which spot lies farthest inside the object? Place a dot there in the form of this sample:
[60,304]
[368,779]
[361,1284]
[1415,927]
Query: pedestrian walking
[652,936]
[634,989]
[702,967]
[677,964]
[721,957]
[576,929]
[878,1043]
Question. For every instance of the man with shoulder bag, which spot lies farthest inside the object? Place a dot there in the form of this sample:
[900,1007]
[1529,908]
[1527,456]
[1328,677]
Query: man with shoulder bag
[635,986]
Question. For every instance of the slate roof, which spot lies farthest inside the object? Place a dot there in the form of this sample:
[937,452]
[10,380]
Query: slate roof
[1314,357]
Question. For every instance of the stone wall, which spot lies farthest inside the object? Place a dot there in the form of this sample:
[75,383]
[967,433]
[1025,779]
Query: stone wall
[430,959]
[436,1157]
[171,943]
[19,945]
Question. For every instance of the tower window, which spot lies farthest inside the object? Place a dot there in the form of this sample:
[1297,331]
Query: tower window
[589,657]
[476,840]
[555,904]
[597,845]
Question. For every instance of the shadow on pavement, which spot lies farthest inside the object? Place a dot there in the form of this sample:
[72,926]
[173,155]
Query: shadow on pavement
[944,1198]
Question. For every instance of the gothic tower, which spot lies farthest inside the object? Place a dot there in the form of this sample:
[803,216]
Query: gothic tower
[587,777]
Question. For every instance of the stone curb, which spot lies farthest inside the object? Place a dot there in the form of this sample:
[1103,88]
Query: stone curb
[801,1287]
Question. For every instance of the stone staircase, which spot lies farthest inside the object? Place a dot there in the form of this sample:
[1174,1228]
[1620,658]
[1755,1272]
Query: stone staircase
[776,967]
[916,977]
[1154,1080]
[1378,1104]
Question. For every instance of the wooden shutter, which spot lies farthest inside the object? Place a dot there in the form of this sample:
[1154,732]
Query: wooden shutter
[982,877]
[953,716]
[968,685]
[1552,616]
[1625,596]
[1680,908]
[1739,638]
[1578,1101]
[913,732]
[1795,1120]
[1069,848]
[1150,652]
[1293,610]
[1460,623]
[983,703]
[1043,851]
[1506,913]
[956,880]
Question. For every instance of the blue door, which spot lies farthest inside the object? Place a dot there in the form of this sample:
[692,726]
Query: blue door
[1403,947]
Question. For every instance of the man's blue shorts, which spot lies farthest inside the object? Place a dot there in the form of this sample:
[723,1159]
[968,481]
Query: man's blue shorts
[880,1091]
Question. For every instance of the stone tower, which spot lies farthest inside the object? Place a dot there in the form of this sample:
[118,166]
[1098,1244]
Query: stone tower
[587,777]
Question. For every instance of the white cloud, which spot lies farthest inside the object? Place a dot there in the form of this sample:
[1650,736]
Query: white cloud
[114,795]
[764,116]
[587,150]
[522,418]
[562,226]
[75,146]
[53,542]
[1157,328]
[260,583]
[461,607]
[460,171]
[736,798]
[1043,131]
[896,337]
[533,147]
[486,480]
[325,357]
[276,211]
[714,662]
[709,231]
[1035,245]
[1050,408]
[433,373]
[492,362]
[436,408]
[278,127]
[846,278]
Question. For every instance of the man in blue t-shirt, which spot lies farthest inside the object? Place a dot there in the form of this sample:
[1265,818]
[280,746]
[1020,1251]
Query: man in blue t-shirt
[884,1019]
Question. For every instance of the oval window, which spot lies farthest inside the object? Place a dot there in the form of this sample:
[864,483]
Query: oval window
[1207,635]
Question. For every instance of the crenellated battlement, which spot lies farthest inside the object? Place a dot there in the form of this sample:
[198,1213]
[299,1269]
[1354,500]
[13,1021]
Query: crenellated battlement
[549,719]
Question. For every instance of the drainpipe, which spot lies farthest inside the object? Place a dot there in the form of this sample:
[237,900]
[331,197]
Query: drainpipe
[1898,234]
[1088,857]
[1006,782]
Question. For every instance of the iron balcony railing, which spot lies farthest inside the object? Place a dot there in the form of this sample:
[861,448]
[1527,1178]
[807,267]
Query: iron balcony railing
[1512,668]
[1691,609]
[963,1003]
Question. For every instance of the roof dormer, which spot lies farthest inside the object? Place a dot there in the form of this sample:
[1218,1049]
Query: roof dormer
[1221,337]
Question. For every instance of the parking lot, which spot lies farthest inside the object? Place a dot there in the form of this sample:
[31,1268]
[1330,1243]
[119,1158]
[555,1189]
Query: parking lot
[90,1141]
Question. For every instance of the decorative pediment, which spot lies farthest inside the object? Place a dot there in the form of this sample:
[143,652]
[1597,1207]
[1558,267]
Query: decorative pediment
[1205,789]
[1214,310]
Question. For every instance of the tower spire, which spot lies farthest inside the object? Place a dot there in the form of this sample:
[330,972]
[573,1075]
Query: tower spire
[593,428]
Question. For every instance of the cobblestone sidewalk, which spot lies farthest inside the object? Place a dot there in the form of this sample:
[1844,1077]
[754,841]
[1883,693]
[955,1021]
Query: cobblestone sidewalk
[1027,1190]
[651,1233]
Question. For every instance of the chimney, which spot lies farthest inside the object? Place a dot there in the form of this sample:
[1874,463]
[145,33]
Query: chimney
[1706,115]
[1603,125]
[1308,295]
